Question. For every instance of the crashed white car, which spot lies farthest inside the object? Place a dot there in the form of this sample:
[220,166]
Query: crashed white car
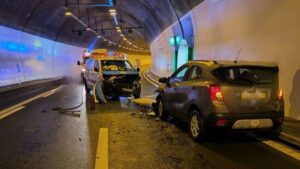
[109,77]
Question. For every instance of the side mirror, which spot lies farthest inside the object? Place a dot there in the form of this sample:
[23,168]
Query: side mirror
[138,69]
[163,80]
[96,69]
[78,63]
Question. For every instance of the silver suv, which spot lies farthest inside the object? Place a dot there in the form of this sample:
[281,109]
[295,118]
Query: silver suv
[223,95]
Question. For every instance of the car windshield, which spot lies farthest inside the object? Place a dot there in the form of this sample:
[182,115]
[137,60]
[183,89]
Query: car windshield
[116,65]
[247,74]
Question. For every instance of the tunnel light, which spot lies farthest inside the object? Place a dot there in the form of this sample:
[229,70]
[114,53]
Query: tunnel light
[88,29]
[122,35]
[68,13]
[98,36]
[112,12]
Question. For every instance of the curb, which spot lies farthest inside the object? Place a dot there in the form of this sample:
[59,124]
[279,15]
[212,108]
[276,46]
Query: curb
[28,84]
[150,79]
[290,140]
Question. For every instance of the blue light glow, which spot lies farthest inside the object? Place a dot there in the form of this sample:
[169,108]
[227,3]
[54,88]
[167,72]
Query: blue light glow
[14,47]
[109,3]
[92,45]
[40,58]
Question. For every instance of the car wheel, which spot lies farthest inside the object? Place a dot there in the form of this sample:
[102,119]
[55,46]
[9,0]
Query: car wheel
[87,90]
[161,112]
[196,127]
[275,133]
[137,91]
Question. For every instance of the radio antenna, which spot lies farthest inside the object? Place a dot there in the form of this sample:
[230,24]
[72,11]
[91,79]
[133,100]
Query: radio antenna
[237,57]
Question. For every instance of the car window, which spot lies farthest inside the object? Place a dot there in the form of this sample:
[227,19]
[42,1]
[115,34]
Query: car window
[96,65]
[90,64]
[116,65]
[247,74]
[195,73]
[179,75]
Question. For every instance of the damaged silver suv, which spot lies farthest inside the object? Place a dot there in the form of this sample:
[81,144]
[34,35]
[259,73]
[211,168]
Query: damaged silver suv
[216,96]
[109,77]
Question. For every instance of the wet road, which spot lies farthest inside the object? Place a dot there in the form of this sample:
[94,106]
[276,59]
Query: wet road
[38,137]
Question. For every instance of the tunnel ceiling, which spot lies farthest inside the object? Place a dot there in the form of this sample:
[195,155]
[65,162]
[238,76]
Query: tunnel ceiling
[140,20]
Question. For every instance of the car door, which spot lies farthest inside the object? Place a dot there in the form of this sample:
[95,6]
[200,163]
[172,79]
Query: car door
[189,88]
[175,95]
[88,72]
[94,75]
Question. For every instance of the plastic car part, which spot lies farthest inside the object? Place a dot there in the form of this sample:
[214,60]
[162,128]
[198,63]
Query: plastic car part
[99,92]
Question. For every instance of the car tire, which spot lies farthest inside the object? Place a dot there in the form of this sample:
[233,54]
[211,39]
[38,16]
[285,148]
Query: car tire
[196,126]
[87,90]
[137,91]
[161,112]
[275,133]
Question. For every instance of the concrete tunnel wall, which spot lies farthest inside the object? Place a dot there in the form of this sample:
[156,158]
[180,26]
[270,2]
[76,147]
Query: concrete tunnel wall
[265,30]
[25,57]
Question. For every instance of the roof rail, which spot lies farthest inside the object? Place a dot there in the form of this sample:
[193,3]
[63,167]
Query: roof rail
[214,61]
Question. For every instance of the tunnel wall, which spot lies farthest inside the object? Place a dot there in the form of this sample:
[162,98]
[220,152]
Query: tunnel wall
[265,30]
[25,57]
[142,59]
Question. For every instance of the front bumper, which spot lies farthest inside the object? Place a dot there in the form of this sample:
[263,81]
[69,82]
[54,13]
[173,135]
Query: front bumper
[243,121]
[119,89]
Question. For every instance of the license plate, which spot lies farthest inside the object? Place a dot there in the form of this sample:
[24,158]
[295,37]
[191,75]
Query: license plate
[252,124]
[254,95]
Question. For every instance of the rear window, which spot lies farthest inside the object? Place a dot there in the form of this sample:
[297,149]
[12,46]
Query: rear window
[247,74]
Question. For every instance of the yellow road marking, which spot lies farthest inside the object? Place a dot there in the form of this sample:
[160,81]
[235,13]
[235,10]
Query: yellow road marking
[284,149]
[11,112]
[12,108]
[102,150]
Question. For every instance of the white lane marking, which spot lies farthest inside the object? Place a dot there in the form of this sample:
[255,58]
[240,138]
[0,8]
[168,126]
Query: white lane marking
[284,149]
[7,110]
[150,81]
[102,150]
[290,136]
[11,112]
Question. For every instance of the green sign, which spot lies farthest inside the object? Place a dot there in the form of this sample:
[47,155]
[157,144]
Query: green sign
[174,40]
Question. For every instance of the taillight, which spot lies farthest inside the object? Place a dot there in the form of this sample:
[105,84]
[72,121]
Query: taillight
[215,93]
[280,95]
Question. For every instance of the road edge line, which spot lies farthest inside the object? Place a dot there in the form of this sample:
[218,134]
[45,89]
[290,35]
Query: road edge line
[5,111]
[11,112]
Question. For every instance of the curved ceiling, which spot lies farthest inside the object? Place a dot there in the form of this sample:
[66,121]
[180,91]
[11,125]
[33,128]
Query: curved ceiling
[140,20]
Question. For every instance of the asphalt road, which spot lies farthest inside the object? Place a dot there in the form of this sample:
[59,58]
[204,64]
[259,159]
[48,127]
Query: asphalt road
[37,137]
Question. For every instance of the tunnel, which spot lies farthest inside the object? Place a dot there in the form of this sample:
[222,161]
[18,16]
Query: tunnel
[149,84]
